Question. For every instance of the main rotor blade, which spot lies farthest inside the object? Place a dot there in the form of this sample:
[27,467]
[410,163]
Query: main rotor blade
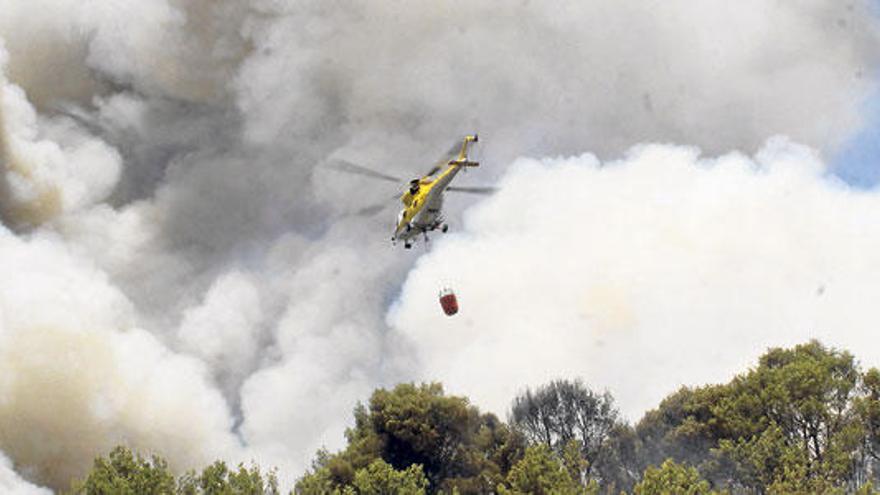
[351,168]
[371,210]
[473,190]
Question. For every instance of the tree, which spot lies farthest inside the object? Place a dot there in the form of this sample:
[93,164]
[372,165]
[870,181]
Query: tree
[868,409]
[620,464]
[379,478]
[418,425]
[564,411]
[218,479]
[681,428]
[456,447]
[541,472]
[802,398]
[790,420]
[319,481]
[672,479]
[126,473]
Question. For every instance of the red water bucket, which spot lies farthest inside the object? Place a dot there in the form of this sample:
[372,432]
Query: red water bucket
[448,302]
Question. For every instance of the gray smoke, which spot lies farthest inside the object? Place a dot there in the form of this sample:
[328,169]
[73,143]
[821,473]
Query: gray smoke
[180,257]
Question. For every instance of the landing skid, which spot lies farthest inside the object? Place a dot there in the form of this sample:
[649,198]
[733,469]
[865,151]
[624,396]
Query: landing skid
[408,245]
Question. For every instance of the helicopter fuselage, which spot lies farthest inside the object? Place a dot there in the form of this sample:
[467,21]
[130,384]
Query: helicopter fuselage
[423,205]
[423,200]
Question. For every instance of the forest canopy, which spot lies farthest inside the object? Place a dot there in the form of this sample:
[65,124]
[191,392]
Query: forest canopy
[803,420]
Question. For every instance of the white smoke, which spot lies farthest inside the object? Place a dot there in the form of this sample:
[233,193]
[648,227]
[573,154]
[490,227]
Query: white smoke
[224,331]
[50,166]
[79,377]
[12,484]
[180,258]
[640,275]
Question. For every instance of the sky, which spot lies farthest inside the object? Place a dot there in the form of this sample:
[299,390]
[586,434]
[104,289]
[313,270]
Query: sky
[184,274]
[858,160]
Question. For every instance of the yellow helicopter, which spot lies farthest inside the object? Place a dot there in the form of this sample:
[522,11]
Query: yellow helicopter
[423,198]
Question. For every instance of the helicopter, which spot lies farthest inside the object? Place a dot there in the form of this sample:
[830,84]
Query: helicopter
[423,198]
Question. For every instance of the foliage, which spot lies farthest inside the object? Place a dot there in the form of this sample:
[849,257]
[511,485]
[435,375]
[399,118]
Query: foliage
[672,478]
[563,413]
[421,426]
[682,427]
[379,478]
[218,479]
[867,407]
[126,473]
[417,425]
[805,420]
[789,423]
[541,472]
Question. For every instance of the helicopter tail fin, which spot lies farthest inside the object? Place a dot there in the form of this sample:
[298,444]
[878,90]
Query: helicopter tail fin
[462,158]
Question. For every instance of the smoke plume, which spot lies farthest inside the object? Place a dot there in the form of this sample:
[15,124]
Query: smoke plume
[661,269]
[180,272]
[13,484]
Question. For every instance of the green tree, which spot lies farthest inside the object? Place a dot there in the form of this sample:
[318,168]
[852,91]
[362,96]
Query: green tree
[868,408]
[683,427]
[791,416]
[419,425]
[566,411]
[541,472]
[457,447]
[796,412]
[672,479]
[379,478]
[218,479]
[125,473]
[318,482]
